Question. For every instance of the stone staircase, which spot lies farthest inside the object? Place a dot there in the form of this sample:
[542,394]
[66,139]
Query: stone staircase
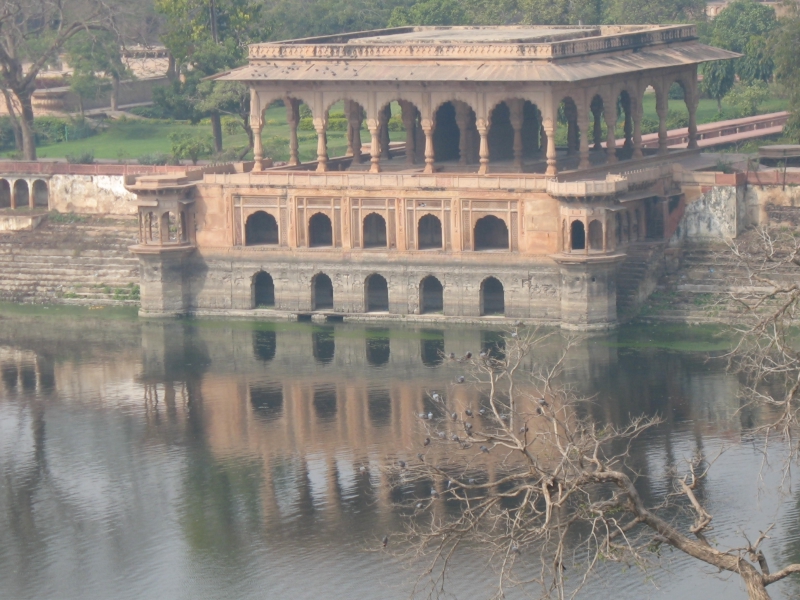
[71,260]
[638,276]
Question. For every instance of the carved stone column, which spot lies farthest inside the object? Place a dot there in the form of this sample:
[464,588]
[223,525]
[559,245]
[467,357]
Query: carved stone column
[572,130]
[542,137]
[597,132]
[462,120]
[662,110]
[293,118]
[637,129]
[691,104]
[385,115]
[628,126]
[516,118]
[583,127]
[550,132]
[354,120]
[483,151]
[427,128]
[410,125]
[610,114]
[375,145]
[321,126]
[256,124]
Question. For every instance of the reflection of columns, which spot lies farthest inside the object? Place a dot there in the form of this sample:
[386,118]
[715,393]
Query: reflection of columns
[583,127]
[375,145]
[293,118]
[384,117]
[516,117]
[662,110]
[256,125]
[610,114]
[597,132]
[462,120]
[637,129]
[410,125]
[483,151]
[321,125]
[427,128]
[552,169]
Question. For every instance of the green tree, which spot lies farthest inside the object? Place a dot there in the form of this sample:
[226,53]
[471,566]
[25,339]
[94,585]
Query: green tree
[191,147]
[93,54]
[784,44]
[746,98]
[661,11]
[744,26]
[430,12]
[718,79]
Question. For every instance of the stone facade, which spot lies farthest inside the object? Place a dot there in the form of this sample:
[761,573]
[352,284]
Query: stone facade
[479,214]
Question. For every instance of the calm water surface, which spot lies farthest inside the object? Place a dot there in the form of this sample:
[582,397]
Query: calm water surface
[207,460]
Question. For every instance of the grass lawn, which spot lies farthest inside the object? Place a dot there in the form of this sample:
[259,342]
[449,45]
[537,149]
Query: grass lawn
[127,140]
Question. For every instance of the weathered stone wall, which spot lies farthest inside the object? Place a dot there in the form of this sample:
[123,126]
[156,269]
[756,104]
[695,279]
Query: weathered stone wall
[775,204]
[91,194]
[712,213]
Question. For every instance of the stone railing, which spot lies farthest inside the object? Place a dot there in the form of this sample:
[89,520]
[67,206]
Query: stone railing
[611,185]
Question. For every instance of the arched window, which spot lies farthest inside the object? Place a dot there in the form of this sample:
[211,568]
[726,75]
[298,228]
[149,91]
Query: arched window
[491,233]
[322,295]
[374,231]
[446,135]
[263,290]
[40,193]
[377,294]
[21,193]
[578,234]
[501,134]
[320,231]
[261,228]
[5,193]
[595,235]
[429,233]
[431,295]
[492,297]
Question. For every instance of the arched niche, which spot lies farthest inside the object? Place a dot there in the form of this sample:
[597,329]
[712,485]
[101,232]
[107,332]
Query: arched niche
[320,231]
[374,231]
[41,193]
[429,233]
[595,235]
[491,233]
[431,295]
[263,290]
[578,235]
[261,229]
[376,294]
[492,297]
[321,292]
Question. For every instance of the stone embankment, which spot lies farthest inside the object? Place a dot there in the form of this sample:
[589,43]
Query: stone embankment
[71,259]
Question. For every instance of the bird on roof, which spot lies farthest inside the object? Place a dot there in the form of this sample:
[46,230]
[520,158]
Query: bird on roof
[427,442]
[468,412]
[420,457]
[484,449]
[460,379]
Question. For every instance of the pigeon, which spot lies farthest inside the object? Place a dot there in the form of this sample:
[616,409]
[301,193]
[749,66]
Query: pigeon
[419,504]
[471,481]
[402,464]
[453,416]
[484,449]
[514,334]
[434,493]
[441,435]
[423,416]
[430,416]
[422,458]
[385,541]
[427,442]
[455,438]
[435,397]
[468,412]
[449,484]
[362,468]
[482,412]
[468,355]
[452,356]
[482,355]
[523,429]
[519,324]
[460,379]
[467,426]
[543,402]
[515,549]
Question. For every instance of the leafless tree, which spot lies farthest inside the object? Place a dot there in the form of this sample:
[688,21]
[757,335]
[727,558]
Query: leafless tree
[544,489]
[32,33]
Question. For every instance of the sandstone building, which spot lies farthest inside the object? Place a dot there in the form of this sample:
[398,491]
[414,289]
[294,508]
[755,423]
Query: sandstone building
[519,188]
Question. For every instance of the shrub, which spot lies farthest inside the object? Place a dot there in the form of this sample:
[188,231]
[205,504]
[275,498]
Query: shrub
[650,125]
[192,147]
[676,120]
[85,157]
[150,112]
[306,124]
[154,158]
[53,130]
[746,99]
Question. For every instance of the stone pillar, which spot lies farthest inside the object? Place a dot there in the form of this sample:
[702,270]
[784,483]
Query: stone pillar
[550,132]
[462,120]
[427,128]
[637,128]
[13,194]
[384,117]
[256,124]
[410,125]
[692,99]
[162,286]
[662,110]
[375,145]
[321,126]
[516,117]
[628,126]
[583,127]
[610,114]
[354,121]
[483,152]
[293,118]
[597,132]
[542,137]
[572,130]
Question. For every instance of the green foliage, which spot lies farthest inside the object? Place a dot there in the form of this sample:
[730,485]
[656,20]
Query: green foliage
[784,45]
[88,86]
[744,26]
[53,130]
[661,11]
[676,120]
[191,147]
[7,140]
[154,158]
[81,158]
[718,79]
[154,111]
[430,12]
[96,58]
[746,98]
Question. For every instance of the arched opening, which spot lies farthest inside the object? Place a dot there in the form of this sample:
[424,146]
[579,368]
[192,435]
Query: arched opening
[379,407]
[429,233]
[446,135]
[21,193]
[492,297]
[491,233]
[374,231]
[264,344]
[578,235]
[432,347]
[531,129]
[325,402]
[260,229]
[501,134]
[377,347]
[568,115]
[323,345]
[267,401]
[625,121]
[169,228]
[263,290]
[320,231]
[598,124]
[595,235]
[376,294]
[431,295]
[40,194]
[322,295]
[5,194]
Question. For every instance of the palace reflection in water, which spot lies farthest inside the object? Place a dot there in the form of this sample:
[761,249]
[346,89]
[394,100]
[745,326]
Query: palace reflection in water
[220,460]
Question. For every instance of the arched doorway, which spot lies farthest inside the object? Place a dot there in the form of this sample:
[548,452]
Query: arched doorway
[595,235]
[492,297]
[446,135]
[578,235]
[431,295]
[21,193]
[263,290]
[322,295]
[320,231]
[260,229]
[40,193]
[374,231]
[491,233]
[376,294]
[429,233]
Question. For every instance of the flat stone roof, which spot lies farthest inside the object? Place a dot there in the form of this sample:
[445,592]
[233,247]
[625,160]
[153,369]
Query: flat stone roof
[481,35]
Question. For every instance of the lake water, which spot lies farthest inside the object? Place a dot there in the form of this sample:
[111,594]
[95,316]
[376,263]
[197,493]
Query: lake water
[223,460]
